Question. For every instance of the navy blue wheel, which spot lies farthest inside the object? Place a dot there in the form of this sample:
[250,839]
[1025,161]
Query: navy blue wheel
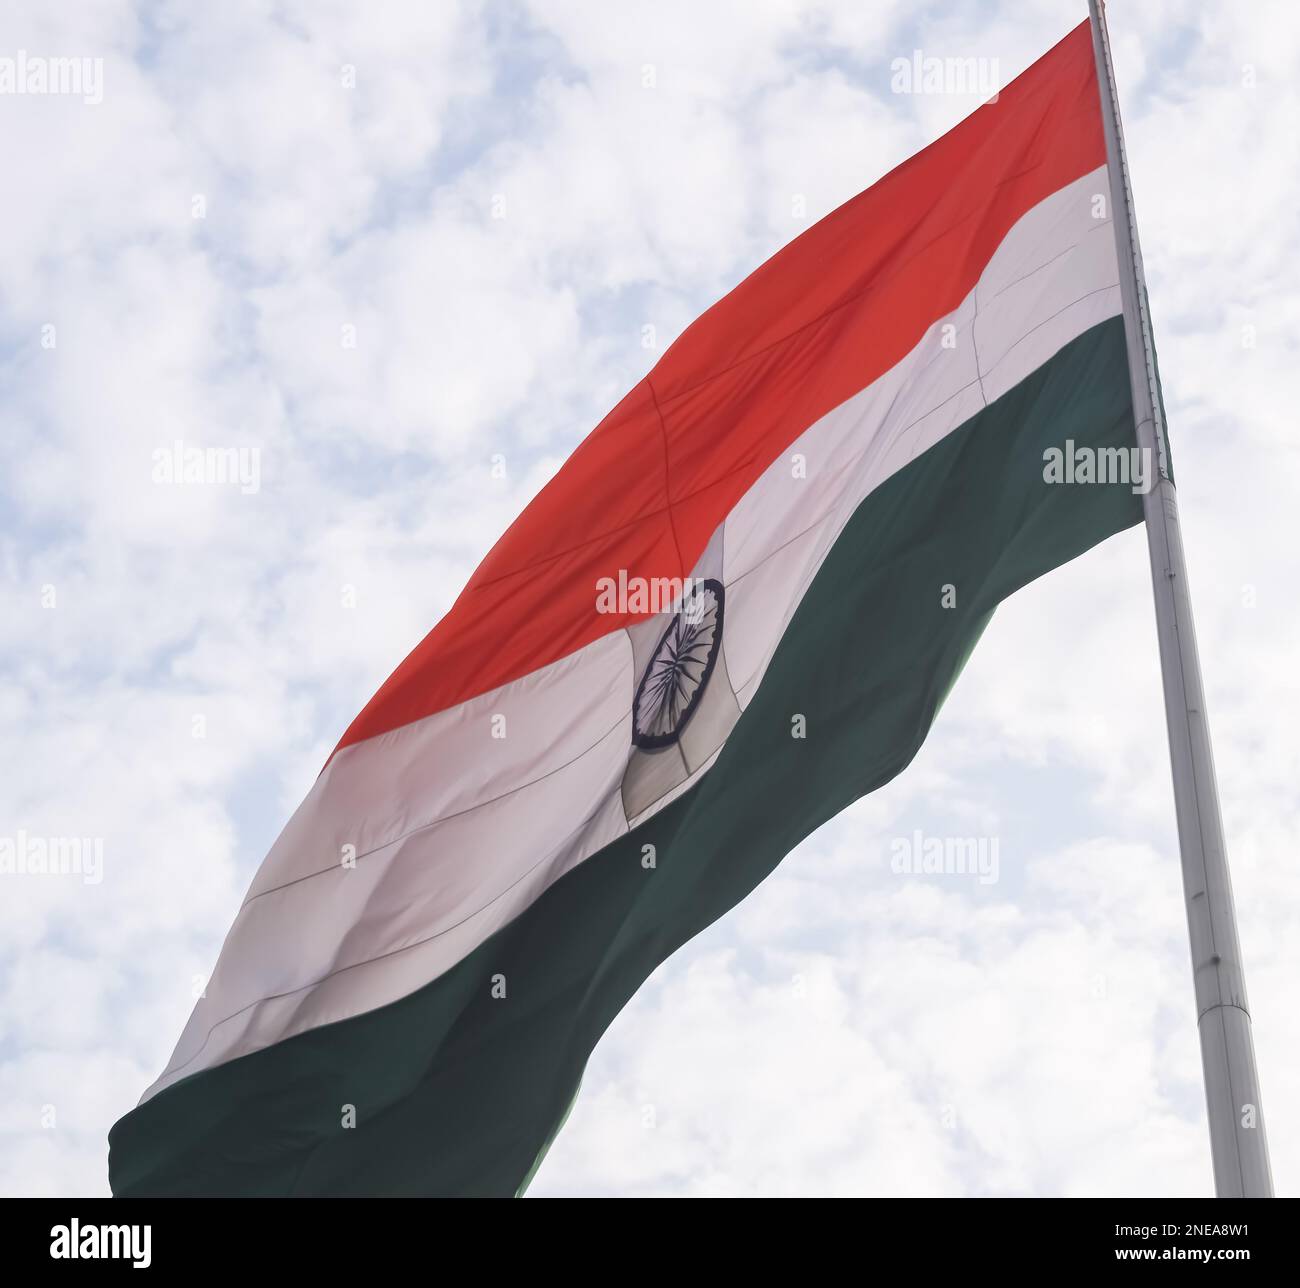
[679,669]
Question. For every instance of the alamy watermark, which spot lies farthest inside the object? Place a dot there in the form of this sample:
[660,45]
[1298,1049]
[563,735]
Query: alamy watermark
[1130,466]
[626,594]
[183,463]
[77,1242]
[24,73]
[925,74]
[23,855]
[947,856]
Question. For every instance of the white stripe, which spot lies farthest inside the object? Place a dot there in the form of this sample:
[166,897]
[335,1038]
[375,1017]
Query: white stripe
[455,831]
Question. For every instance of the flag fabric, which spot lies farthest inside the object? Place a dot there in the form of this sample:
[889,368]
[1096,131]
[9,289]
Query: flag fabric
[736,609]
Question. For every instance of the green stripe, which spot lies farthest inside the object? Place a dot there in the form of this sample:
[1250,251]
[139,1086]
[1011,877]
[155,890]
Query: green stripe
[458,1092]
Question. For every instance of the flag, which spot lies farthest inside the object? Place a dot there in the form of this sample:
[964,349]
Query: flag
[736,609]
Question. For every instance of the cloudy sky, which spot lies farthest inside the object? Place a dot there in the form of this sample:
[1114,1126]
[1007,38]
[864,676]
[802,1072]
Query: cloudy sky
[388,244]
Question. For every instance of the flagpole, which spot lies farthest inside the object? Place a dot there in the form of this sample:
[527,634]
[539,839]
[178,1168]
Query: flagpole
[1237,1141]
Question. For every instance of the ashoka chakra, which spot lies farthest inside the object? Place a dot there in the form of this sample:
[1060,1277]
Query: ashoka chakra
[679,669]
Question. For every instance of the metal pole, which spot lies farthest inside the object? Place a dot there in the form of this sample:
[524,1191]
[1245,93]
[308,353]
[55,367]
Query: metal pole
[1237,1141]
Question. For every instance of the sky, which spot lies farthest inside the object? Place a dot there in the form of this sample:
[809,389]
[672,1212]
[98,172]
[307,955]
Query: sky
[402,257]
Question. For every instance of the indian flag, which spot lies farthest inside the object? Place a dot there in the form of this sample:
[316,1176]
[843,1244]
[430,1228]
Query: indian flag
[736,609]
